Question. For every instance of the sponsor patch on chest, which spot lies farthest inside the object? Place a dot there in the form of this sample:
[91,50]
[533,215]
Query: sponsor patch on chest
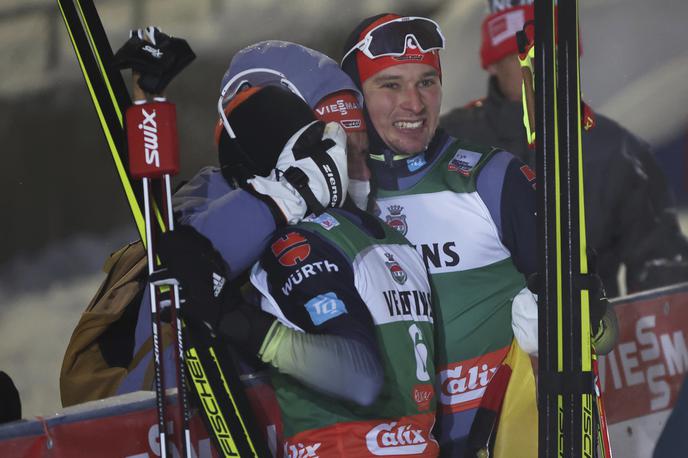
[463,162]
[324,307]
[416,162]
[396,219]
[529,174]
[325,220]
[291,249]
[395,269]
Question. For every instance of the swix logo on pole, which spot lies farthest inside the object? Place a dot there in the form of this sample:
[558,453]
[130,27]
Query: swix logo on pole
[152,139]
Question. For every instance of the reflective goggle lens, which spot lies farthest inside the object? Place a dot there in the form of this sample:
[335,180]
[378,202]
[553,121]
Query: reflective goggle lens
[394,37]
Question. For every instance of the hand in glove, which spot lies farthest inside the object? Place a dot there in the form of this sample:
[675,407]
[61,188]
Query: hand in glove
[270,143]
[157,57]
[313,160]
[607,335]
[203,274]
[246,327]
[603,322]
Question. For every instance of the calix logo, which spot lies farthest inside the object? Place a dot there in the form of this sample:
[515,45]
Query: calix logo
[394,439]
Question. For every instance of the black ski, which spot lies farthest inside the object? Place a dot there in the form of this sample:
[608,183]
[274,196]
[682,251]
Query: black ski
[565,384]
[110,111]
[213,381]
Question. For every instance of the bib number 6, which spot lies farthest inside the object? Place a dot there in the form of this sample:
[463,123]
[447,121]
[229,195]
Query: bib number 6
[421,353]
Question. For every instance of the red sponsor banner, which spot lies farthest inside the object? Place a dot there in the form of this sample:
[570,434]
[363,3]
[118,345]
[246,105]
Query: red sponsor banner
[128,434]
[644,372]
[126,427]
[407,436]
[462,384]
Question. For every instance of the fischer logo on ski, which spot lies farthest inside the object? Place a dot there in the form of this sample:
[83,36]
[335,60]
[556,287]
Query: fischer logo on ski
[210,404]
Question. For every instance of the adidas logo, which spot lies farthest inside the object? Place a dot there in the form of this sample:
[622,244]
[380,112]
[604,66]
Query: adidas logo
[218,283]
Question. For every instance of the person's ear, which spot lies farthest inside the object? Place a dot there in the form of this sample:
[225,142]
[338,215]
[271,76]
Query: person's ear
[491,70]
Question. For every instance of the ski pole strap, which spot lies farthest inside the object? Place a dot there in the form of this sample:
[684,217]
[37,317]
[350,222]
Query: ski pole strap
[569,383]
[592,282]
[299,180]
[162,277]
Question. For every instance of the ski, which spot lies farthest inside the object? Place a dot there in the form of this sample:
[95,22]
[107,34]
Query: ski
[567,421]
[108,108]
[216,387]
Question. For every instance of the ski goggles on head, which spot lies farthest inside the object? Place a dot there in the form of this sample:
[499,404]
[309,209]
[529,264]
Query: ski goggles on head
[394,37]
[250,78]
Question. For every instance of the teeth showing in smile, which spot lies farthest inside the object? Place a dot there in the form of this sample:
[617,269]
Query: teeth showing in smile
[408,124]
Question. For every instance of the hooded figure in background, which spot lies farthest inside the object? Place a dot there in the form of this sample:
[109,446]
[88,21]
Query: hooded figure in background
[630,214]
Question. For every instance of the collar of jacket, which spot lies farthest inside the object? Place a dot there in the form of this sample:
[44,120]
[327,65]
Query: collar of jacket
[389,172]
[392,160]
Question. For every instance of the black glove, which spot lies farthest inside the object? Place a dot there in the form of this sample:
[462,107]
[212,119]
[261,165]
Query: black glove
[246,327]
[597,296]
[204,276]
[156,56]
[607,334]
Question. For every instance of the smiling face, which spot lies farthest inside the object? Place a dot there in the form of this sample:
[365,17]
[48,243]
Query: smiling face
[403,102]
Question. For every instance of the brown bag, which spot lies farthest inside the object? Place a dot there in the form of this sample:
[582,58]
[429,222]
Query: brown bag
[101,350]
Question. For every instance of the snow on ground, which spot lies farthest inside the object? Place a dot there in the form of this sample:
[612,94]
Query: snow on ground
[35,329]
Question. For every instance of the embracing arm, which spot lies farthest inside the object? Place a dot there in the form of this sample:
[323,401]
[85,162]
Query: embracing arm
[337,366]
[237,223]
[507,186]
[324,336]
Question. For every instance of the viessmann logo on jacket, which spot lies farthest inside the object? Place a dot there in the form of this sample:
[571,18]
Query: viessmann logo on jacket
[462,384]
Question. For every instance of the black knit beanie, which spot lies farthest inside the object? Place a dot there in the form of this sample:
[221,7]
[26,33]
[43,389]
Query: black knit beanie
[263,119]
